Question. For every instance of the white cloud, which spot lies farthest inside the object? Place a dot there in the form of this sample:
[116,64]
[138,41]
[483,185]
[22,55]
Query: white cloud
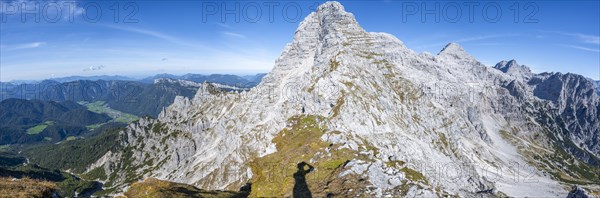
[584,38]
[156,34]
[467,39]
[582,48]
[22,46]
[492,44]
[94,68]
[30,45]
[588,38]
[483,37]
[223,25]
[233,34]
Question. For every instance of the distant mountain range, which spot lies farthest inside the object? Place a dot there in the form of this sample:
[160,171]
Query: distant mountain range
[132,97]
[225,79]
[103,77]
[52,110]
[150,94]
[73,78]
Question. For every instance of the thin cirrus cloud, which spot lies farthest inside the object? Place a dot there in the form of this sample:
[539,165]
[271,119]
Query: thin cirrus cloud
[582,48]
[468,39]
[156,34]
[228,31]
[23,46]
[590,39]
[233,34]
[584,38]
[483,37]
[223,25]
[94,68]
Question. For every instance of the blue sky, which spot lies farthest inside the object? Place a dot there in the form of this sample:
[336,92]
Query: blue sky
[149,37]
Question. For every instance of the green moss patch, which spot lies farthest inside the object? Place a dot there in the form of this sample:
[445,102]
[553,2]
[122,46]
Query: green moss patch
[414,175]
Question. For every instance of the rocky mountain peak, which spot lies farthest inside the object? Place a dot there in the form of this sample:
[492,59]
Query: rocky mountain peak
[331,6]
[330,20]
[512,63]
[455,51]
[505,66]
[322,33]
[451,48]
[331,13]
[512,68]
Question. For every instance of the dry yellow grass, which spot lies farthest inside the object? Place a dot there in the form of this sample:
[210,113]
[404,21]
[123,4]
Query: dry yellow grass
[154,188]
[26,188]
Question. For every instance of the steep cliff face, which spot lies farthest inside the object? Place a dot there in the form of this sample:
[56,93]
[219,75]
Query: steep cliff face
[573,102]
[346,112]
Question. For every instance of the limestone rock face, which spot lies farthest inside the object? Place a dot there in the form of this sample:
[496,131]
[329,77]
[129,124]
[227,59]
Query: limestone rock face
[407,124]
